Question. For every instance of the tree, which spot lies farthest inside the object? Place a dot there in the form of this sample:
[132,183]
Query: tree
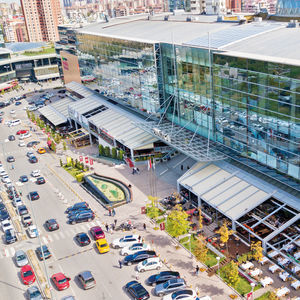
[201,250]
[32,117]
[38,122]
[47,129]
[42,124]
[200,219]
[114,153]
[224,233]
[107,151]
[57,138]
[231,273]
[152,210]
[257,250]
[177,223]
[272,296]
[61,163]
[101,150]
[28,113]
[120,155]
[53,146]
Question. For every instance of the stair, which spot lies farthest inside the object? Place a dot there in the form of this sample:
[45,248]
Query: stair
[213,270]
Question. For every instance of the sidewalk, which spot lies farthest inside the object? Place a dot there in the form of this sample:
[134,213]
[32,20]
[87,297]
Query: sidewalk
[178,259]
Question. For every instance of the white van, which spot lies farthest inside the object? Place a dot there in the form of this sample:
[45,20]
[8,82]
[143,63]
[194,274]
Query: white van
[14,122]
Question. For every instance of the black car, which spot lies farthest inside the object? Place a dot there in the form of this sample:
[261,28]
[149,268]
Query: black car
[138,256]
[51,224]
[10,159]
[4,215]
[61,91]
[10,236]
[43,254]
[11,138]
[82,239]
[76,206]
[162,277]
[32,143]
[40,180]
[22,209]
[34,195]
[136,290]
[23,178]
[80,210]
[81,217]
[33,159]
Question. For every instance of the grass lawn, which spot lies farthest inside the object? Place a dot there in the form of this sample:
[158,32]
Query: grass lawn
[41,52]
[264,296]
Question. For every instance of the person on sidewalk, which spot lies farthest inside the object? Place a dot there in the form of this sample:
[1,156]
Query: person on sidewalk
[113,212]
[115,221]
[120,264]
[137,170]
[144,226]
[139,238]
[181,167]
[20,193]
[197,270]
[109,212]
[137,275]
[106,227]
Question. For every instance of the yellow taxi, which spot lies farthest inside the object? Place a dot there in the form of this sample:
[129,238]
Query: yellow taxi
[102,246]
[41,150]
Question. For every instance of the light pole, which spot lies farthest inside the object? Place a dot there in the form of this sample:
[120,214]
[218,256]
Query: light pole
[218,259]
[252,289]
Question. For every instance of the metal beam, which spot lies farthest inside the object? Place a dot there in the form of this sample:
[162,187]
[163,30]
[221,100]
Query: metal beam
[282,227]
[268,216]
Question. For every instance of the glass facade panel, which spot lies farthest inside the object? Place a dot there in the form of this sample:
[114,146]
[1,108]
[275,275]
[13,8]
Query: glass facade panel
[124,70]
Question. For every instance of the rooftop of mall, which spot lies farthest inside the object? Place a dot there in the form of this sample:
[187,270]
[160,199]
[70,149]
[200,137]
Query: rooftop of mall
[257,38]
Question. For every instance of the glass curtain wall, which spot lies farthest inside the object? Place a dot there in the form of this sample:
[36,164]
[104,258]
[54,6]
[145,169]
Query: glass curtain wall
[124,70]
[257,108]
[186,78]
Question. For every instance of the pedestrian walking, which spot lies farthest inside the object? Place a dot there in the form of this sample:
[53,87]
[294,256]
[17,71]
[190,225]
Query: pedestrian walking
[115,221]
[139,238]
[20,193]
[181,167]
[106,227]
[113,212]
[133,171]
[137,275]
[120,264]
[138,170]
[111,228]
[144,226]
[197,270]
[12,167]
[109,212]
[187,167]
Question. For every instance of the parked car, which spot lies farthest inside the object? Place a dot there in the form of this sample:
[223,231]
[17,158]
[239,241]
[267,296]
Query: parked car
[6,224]
[34,293]
[138,256]
[35,173]
[32,143]
[102,246]
[24,135]
[86,279]
[43,253]
[29,154]
[136,290]
[17,202]
[82,239]
[34,195]
[22,131]
[21,144]
[27,275]
[40,180]
[162,277]
[4,215]
[134,248]
[21,258]
[169,286]
[22,209]
[76,206]
[186,294]
[23,178]
[26,220]
[10,236]
[10,159]
[32,231]
[149,264]
[33,159]
[81,217]
[41,150]
[80,210]
[127,240]
[52,225]
[60,281]
[11,138]
[97,233]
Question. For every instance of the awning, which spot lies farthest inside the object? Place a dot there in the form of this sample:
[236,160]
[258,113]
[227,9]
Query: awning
[52,115]
[79,89]
[227,192]
[48,76]
[88,104]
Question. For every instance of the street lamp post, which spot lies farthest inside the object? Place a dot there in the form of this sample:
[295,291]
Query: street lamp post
[252,289]
[218,259]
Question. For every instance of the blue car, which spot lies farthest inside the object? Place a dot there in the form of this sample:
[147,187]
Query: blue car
[80,210]
[4,215]
[81,217]
[18,103]
[23,178]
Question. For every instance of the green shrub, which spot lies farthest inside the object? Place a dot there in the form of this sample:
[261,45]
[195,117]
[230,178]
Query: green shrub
[79,177]
[114,153]
[107,151]
[101,150]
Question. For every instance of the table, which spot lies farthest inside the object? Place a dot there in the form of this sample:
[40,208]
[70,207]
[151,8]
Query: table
[266,281]
[264,260]
[296,284]
[296,269]
[282,292]
[284,276]
[273,253]
[288,247]
[297,255]
[283,261]
[247,265]
[274,268]
[255,272]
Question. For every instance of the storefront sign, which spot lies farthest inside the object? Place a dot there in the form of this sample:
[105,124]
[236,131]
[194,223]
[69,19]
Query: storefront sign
[91,162]
[80,158]
[86,160]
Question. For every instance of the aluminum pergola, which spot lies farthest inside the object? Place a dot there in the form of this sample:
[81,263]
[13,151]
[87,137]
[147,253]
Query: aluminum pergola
[184,140]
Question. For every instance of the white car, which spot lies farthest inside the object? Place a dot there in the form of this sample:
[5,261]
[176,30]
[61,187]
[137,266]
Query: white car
[3,173]
[5,179]
[134,248]
[22,144]
[6,224]
[35,173]
[32,231]
[149,264]
[127,240]
[12,112]
[25,135]
[184,294]
[17,202]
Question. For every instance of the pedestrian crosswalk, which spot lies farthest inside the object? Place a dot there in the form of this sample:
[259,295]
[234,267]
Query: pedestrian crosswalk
[50,237]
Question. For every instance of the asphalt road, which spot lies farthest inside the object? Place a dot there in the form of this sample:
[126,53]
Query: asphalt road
[67,256]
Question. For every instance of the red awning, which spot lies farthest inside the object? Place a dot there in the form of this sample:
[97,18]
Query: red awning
[191,211]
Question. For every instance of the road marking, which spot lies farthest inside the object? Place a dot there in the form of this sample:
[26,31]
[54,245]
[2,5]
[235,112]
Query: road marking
[45,241]
[92,224]
[180,162]
[6,252]
[74,231]
[84,227]
[12,251]
[163,172]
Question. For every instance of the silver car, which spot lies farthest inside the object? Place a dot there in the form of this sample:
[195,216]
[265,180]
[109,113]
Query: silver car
[21,258]
[169,286]
[86,279]
[34,293]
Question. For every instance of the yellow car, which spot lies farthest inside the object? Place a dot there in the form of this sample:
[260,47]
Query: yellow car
[102,246]
[41,150]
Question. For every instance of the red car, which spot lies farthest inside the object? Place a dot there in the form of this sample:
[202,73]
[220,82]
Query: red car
[97,233]
[22,131]
[61,281]
[27,275]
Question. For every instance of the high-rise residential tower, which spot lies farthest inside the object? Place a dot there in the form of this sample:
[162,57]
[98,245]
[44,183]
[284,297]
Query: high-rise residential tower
[42,18]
